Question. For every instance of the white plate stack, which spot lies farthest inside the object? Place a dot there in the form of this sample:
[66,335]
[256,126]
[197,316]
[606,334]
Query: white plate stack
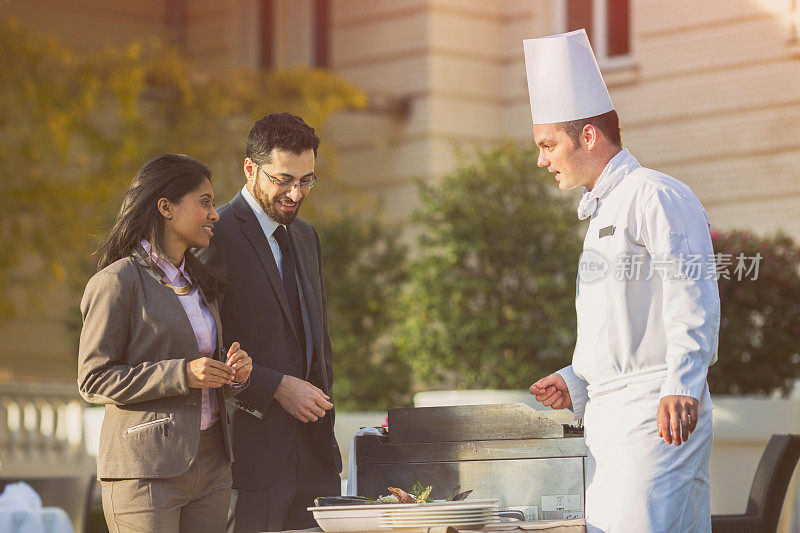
[472,514]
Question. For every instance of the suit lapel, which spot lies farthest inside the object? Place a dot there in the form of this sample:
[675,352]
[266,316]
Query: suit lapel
[308,297]
[255,234]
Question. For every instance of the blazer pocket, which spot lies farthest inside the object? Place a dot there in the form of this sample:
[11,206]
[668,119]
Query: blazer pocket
[160,422]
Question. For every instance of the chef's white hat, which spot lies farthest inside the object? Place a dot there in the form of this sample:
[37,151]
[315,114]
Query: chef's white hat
[564,81]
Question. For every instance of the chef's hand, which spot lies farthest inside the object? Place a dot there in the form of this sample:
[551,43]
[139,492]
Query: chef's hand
[552,391]
[301,399]
[240,362]
[677,418]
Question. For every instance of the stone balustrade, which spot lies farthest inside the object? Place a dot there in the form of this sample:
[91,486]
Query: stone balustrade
[42,432]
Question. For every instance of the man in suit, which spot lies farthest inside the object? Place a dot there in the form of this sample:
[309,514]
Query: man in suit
[274,303]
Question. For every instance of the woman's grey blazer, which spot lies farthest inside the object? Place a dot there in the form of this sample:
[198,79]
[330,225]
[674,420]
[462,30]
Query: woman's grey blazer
[134,345]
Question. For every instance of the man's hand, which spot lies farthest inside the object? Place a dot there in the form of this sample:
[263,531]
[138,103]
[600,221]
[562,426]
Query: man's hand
[240,362]
[208,373]
[301,399]
[552,391]
[677,418]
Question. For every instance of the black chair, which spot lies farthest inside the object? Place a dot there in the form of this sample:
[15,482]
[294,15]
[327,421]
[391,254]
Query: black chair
[767,491]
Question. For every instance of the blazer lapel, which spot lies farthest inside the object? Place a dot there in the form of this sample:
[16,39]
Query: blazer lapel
[252,230]
[170,298]
[308,297]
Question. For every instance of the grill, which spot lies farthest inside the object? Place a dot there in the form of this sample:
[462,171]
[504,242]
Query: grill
[511,452]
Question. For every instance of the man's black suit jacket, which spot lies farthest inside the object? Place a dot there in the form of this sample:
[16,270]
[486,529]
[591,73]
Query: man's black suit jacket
[254,311]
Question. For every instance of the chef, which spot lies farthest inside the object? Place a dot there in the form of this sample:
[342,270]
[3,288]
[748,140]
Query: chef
[647,305]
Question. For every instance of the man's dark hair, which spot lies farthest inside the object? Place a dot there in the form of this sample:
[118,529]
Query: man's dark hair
[607,123]
[283,131]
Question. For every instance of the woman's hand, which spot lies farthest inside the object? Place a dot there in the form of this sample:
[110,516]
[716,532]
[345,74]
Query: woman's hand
[208,373]
[240,362]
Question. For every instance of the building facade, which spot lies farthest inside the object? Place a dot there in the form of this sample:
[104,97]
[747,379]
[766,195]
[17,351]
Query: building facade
[706,91]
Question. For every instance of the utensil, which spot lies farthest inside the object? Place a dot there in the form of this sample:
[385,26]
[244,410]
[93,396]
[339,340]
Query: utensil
[512,513]
[456,496]
[453,493]
[324,501]
[462,495]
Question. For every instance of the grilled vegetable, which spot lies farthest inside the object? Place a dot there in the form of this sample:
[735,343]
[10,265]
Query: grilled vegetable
[422,494]
[419,494]
[402,496]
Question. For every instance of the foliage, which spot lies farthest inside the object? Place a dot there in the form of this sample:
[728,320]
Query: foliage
[760,316]
[365,267]
[75,128]
[491,298]
[422,493]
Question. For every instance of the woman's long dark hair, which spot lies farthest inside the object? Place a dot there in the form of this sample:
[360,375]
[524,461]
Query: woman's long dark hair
[169,176]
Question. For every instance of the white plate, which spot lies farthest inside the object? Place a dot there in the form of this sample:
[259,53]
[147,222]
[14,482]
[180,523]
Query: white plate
[435,505]
[347,518]
[434,512]
[471,516]
[438,516]
[424,528]
[427,512]
[340,518]
[453,522]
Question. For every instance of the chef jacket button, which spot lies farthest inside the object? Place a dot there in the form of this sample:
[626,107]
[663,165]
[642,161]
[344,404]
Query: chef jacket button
[296,361]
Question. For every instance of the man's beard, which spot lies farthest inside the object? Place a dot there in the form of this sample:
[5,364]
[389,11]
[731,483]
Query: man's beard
[271,209]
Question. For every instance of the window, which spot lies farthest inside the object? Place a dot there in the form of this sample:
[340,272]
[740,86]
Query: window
[266,48]
[293,32]
[608,24]
[176,22]
[321,32]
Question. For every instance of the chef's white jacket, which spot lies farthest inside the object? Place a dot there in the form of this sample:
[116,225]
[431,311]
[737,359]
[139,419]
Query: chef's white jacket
[647,298]
[648,322]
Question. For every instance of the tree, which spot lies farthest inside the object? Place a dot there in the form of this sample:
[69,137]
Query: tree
[759,289]
[75,128]
[490,301]
[365,268]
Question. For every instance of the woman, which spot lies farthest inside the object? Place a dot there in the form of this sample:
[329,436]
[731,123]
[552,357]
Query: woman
[151,352]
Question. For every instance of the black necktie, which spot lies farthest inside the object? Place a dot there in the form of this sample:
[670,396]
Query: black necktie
[290,287]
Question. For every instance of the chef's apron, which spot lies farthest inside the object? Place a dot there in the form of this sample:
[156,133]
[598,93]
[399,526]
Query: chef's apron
[627,460]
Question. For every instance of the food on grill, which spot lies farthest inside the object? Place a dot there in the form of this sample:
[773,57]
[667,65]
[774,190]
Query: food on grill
[418,494]
[401,495]
[391,498]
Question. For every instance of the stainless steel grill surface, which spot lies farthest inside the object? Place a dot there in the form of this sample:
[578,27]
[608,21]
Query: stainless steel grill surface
[509,451]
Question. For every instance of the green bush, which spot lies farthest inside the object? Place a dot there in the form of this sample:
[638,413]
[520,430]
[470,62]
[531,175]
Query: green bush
[759,351]
[365,267]
[490,301]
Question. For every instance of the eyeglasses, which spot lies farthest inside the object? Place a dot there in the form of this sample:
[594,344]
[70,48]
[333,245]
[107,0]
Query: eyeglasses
[304,184]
